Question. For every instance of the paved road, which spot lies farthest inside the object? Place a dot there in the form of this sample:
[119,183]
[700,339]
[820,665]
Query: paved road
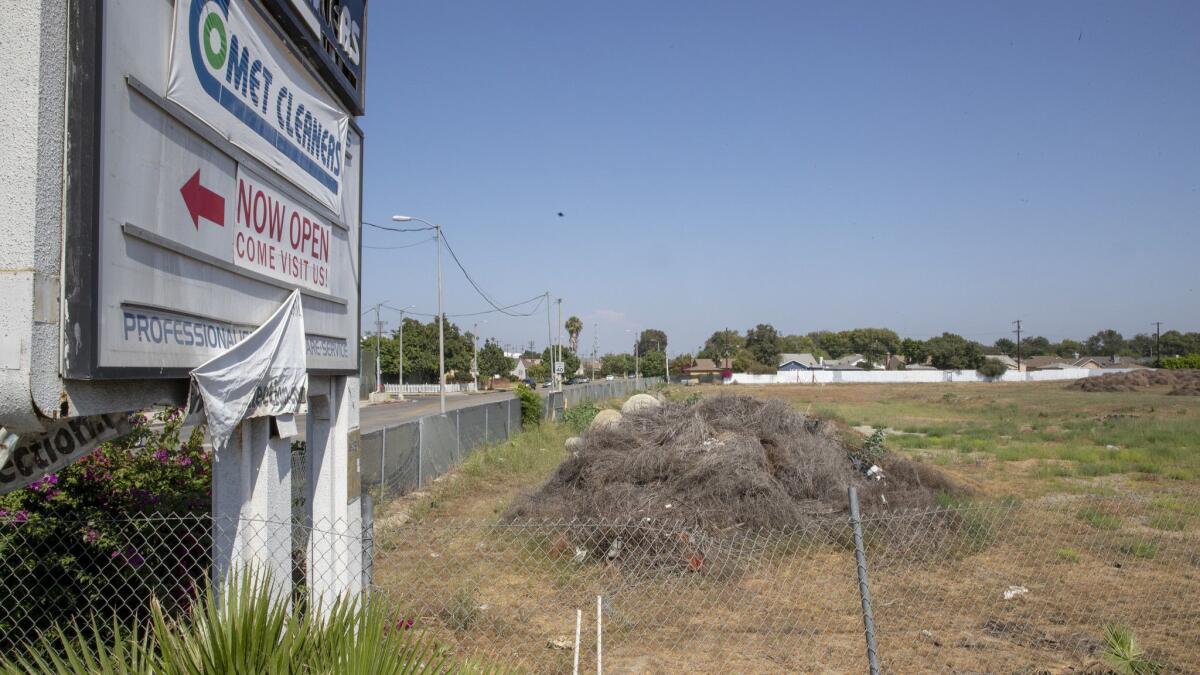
[379,415]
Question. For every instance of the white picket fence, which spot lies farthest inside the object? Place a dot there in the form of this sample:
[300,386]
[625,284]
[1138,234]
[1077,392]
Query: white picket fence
[451,388]
[914,376]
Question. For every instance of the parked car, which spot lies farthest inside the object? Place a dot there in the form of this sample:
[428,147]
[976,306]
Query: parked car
[610,377]
[582,379]
[528,382]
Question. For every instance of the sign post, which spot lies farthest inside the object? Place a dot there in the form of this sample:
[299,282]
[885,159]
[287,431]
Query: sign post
[181,171]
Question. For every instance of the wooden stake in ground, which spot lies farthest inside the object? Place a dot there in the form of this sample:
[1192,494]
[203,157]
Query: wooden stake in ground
[599,636]
[578,625]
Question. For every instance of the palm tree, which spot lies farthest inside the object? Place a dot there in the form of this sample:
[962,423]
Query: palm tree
[574,327]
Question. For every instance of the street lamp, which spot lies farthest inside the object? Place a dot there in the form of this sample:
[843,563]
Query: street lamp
[441,315]
[402,349]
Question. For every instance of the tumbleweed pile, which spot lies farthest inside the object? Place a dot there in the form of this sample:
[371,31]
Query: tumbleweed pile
[1182,382]
[722,462]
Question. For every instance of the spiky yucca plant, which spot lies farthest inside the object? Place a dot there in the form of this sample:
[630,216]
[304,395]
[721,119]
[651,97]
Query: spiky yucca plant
[1123,654]
[246,627]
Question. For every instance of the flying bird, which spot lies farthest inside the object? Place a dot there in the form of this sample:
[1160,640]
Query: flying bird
[560,214]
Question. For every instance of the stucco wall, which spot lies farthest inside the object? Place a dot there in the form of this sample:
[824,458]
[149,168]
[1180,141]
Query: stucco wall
[32,110]
[914,376]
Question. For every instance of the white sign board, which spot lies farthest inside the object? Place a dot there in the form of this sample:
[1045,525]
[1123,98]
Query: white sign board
[231,71]
[559,367]
[200,234]
[275,236]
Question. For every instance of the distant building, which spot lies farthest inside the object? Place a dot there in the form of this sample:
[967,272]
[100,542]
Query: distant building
[847,362]
[1008,361]
[805,361]
[1051,362]
[707,368]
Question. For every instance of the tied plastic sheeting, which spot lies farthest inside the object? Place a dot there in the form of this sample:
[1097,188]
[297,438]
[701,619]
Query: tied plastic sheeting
[439,445]
[472,430]
[401,465]
[497,421]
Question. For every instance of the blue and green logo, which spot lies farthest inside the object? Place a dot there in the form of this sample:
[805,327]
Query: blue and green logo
[244,83]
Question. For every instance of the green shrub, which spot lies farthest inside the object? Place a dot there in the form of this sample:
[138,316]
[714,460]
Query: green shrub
[992,368]
[94,525]
[1099,519]
[1068,554]
[1191,361]
[873,449]
[1146,550]
[531,407]
[579,417]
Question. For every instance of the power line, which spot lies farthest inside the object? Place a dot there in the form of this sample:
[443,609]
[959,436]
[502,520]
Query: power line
[389,228]
[538,298]
[392,248]
[483,294]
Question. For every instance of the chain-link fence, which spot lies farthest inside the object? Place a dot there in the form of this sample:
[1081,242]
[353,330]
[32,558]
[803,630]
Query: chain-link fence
[402,458]
[602,390]
[1005,587]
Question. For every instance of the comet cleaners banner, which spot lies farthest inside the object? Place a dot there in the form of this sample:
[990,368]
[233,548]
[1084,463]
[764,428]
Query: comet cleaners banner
[228,69]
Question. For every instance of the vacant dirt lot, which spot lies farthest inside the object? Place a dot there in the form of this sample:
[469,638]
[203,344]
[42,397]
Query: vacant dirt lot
[1085,510]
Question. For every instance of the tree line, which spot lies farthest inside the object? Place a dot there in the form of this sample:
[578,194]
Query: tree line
[756,350]
[420,356]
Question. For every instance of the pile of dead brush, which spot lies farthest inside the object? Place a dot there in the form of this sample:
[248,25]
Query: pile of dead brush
[1182,382]
[719,463]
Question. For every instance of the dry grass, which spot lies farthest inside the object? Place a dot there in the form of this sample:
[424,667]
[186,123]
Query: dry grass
[1028,439]
[792,606]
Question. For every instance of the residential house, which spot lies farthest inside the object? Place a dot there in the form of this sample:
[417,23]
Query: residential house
[805,361]
[1052,362]
[1008,361]
[707,368]
[847,362]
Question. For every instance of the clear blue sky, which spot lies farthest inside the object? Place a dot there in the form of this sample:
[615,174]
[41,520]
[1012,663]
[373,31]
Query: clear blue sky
[921,166]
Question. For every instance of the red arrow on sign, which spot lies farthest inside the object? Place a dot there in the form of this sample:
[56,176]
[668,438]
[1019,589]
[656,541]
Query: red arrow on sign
[202,202]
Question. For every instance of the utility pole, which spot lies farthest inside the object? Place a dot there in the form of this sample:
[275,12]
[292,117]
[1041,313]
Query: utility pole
[595,346]
[637,365]
[475,355]
[549,340]
[441,325]
[666,365]
[1157,348]
[1018,323]
[378,348]
[401,355]
[558,348]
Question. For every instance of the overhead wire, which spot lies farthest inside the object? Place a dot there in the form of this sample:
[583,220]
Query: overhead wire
[483,294]
[392,248]
[392,228]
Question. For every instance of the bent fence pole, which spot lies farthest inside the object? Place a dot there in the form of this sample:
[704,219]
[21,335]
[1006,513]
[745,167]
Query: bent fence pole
[864,589]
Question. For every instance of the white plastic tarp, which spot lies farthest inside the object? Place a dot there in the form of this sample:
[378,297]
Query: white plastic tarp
[263,375]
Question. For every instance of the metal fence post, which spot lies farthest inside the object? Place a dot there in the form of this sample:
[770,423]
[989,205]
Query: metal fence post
[368,540]
[383,464]
[864,589]
[420,451]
